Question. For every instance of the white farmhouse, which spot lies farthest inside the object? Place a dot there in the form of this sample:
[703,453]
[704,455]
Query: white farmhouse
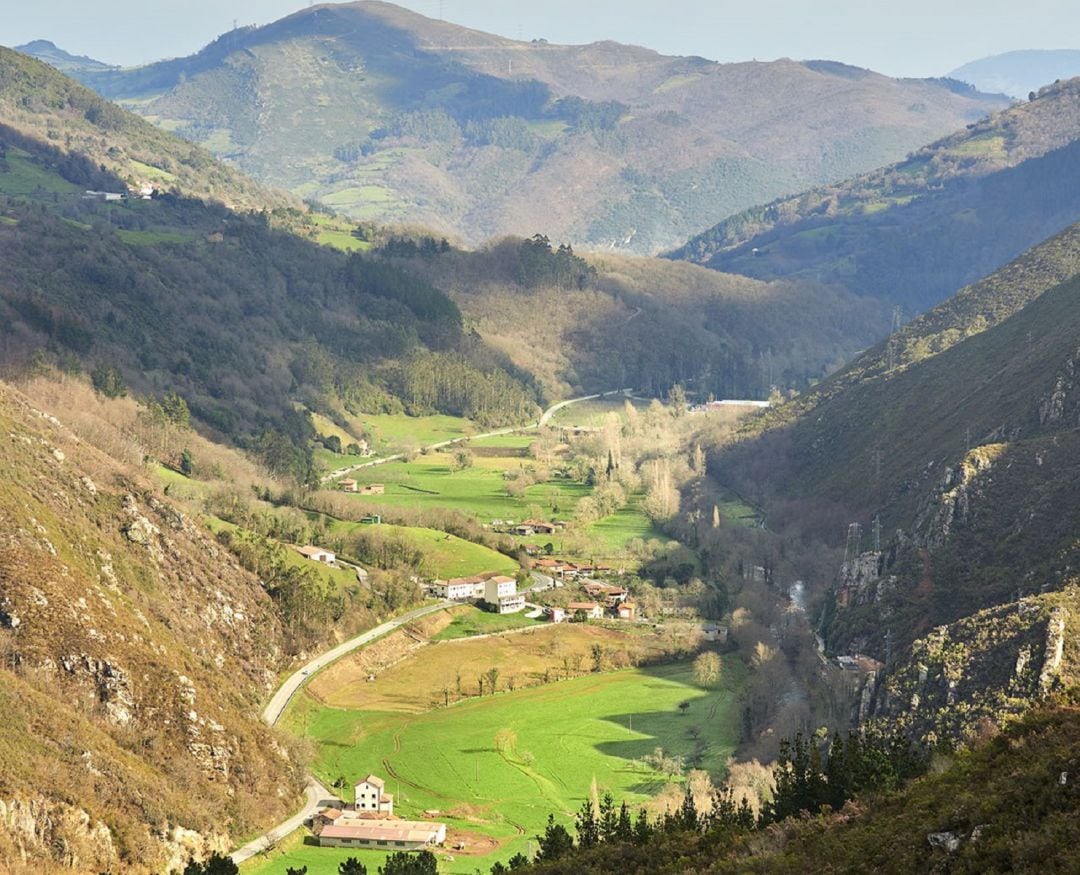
[368,795]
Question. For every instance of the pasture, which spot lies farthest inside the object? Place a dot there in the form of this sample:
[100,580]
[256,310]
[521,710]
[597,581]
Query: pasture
[495,766]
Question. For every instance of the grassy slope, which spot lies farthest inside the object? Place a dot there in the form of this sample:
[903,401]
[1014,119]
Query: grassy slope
[35,98]
[429,482]
[250,96]
[1009,788]
[446,555]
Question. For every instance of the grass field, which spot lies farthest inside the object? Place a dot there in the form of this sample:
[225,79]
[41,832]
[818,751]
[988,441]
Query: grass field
[494,767]
[23,177]
[418,684]
[429,482]
[594,413]
[470,621]
[148,238]
[613,533]
[396,432]
[447,555]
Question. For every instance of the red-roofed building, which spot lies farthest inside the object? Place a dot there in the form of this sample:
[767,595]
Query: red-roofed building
[591,610]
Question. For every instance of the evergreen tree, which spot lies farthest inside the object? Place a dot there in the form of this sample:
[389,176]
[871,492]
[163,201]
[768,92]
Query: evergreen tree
[555,843]
[588,830]
[836,780]
[688,815]
[643,830]
[624,828]
[608,819]
[405,863]
[215,864]
[351,866]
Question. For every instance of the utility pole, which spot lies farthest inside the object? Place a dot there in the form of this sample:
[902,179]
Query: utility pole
[877,533]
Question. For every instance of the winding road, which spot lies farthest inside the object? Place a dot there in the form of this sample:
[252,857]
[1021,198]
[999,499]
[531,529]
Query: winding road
[315,793]
[544,419]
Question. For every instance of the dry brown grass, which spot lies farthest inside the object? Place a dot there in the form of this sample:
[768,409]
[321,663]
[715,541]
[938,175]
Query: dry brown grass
[418,684]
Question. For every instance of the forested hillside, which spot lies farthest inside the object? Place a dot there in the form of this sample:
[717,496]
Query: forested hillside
[394,117]
[953,447]
[157,293]
[171,278]
[603,322]
[916,231]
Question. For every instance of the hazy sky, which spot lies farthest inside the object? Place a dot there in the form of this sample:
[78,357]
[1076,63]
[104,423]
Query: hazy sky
[910,38]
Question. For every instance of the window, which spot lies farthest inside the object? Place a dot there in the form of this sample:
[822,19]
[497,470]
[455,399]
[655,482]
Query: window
[380,842]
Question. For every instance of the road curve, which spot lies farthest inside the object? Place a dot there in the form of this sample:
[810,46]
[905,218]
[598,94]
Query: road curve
[544,419]
[314,792]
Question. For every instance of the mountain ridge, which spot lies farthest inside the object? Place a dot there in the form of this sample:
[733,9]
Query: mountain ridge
[426,123]
[915,231]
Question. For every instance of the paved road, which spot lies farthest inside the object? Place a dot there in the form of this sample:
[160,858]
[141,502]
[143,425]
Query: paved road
[315,792]
[276,706]
[544,419]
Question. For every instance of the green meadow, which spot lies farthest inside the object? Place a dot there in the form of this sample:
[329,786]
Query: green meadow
[471,621]
[20,176]
[446,555]
[429,482]
[496,766]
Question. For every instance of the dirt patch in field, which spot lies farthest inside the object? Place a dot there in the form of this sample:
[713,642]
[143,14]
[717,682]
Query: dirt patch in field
[470,844]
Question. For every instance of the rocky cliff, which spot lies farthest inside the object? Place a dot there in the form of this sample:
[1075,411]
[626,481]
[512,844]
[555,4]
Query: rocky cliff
[134,654]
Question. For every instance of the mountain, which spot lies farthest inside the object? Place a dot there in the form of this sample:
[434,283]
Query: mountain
[63,61]
[387,115]
[1020,73]
[624,320]
[953,447]
[254,325]
[135,655]
[914,232]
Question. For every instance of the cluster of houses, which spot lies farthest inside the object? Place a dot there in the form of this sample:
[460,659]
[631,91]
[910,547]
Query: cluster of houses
[607,601]
[369,822]
[145,193]
[729,402]
[561,569]
[497,591]
[527,527]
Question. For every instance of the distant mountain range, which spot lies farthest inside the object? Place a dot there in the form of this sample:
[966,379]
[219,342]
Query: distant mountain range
[914,232]
[390,116]
[1020,73]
